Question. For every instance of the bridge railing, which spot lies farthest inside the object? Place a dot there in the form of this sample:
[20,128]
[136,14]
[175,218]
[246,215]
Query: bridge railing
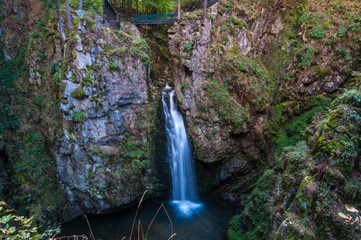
[149,18]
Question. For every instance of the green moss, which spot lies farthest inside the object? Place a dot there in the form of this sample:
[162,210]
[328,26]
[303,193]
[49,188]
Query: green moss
[305,56]
[188,46]
[341,31]
[257,213]
[318,33]
[86,81]
[78,93]
[228,108]
[288,134]
[304,197]
[334,120]
[113,65]
[77,116]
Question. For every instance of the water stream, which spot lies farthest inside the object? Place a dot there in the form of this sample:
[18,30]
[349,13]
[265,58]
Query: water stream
[184,184]
[193,216]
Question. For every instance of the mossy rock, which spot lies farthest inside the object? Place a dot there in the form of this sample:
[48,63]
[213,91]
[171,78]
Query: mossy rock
[334,120]
[305,197]
[78,93]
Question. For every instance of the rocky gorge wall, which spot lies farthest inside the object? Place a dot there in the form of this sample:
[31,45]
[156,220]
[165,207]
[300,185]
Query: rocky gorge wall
[260,86]
[89,111]
[269,90]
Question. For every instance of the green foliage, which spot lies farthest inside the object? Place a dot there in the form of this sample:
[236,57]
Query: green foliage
[342,53]
[318,33]
[229,5]
[185,85]
[17,227]
[77,116]
[145,60]
[228,108]
[113,65]
[93,6]
[353,189]
[32,178]
[305,57]
[136,52]
[254,222]
[188,46]
[86,81]
[288,134]
[352,97]
[243,24]
[136,47]
[9,72]
[293,154]
[341,31]
[78,93]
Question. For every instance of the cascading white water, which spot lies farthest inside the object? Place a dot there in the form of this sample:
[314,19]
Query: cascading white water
[184,184]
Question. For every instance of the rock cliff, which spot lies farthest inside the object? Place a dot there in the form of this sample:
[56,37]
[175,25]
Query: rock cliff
[94,113]
[254,80]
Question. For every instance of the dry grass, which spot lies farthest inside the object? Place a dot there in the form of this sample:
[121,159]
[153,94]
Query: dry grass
[140,227]
[140,236]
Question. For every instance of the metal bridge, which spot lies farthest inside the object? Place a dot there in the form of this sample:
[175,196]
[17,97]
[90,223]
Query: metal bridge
[142,19]
[113,18]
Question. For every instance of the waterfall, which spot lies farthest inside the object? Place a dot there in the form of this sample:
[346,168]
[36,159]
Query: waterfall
[184,184]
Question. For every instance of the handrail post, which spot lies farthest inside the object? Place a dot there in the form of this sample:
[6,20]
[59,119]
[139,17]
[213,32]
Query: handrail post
[179,10]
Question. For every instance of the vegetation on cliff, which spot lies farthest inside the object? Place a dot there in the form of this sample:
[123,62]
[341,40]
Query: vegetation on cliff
[271,91]
[296,64]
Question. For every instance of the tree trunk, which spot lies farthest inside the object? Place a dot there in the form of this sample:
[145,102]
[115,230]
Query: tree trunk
[136,3]
[70,25]
[62,35]
[80,5]
[205,9]
[179,10]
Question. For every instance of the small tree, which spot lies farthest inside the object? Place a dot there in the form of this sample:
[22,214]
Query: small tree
[70,25]
[205,9]
[61,29]
[179,9]
[80,5]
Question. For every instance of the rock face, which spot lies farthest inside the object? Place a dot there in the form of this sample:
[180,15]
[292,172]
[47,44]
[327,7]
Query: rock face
[227,119]
[238,58]
[103,156]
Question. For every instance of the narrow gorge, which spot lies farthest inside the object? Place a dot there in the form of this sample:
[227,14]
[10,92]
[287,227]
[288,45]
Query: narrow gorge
[230,119]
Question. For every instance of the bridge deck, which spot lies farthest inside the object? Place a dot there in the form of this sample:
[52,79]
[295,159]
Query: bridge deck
[142,19]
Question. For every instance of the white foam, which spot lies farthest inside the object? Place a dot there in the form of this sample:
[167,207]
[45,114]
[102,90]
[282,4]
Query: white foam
[187,208]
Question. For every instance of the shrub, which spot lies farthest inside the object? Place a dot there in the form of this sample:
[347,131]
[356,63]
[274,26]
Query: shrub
[185,85]
[341,31]
[77,116]
[243,24]
[342,53]
[145,60]
[229,6]
[226,106]
[18,227]
[136,51]
[113,65]
[188,46]
[318,33]
[305,57]
[78,93]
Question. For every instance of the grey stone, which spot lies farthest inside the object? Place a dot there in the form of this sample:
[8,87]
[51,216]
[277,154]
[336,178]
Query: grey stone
[80,13]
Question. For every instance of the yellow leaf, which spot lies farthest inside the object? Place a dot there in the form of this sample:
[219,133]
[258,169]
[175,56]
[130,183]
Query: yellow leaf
[9,210]
[344,216]
[351,209]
